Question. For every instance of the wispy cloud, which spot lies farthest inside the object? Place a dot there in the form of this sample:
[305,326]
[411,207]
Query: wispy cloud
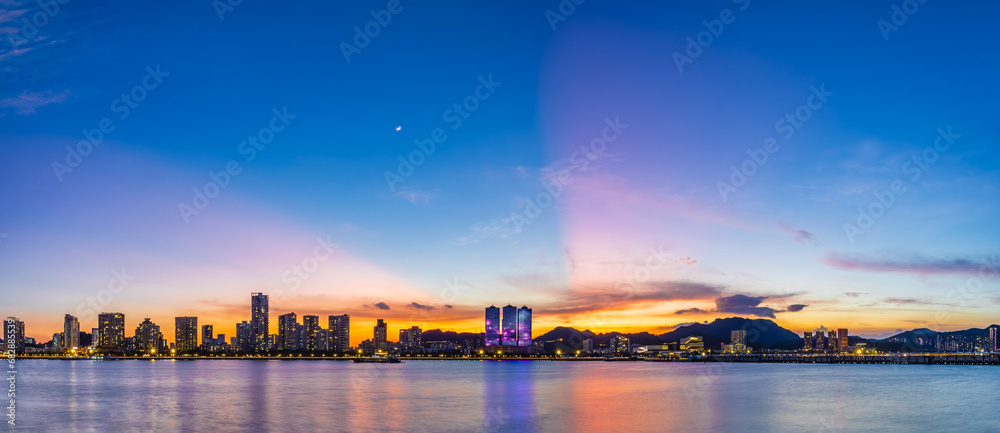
[610,298]
[421,306]
[413,196]
[26,102]
[800,236]
[378,305]
[914,264]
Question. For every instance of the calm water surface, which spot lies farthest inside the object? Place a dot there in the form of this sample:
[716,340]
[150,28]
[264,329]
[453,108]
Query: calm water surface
[509,396]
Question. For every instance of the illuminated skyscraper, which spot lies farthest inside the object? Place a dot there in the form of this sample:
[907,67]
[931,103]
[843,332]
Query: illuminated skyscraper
[71,332]
[381,333]
[619,345]
[112,330]
[738,336]
[13,335]
[207,338]
[524,326]
[185,334]
[258,322]
[842,340]
[95,336]
[993,345]
[243,336]
[288,338]
[311,332]
[508,329]
[148,336]
[410,339]
[492,326]
[340,333]
[808,337]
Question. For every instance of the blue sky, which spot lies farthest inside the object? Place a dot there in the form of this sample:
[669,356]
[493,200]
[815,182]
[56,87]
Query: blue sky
[778,240]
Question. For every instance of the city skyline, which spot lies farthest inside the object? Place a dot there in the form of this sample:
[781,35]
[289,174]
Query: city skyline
[603,168]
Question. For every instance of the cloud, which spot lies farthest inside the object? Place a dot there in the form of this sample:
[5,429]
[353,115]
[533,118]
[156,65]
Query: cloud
[915,264]
[26,102]
[854,294]
[492,229]
[742,304]
[907,301]
[421,306]
[413,196]
[800,236]
[379,305]
[448,306]
[610,298]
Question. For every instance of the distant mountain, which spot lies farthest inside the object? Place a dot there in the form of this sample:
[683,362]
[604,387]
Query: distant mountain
[922,338]
[574,338]
[439,335]
[760,333]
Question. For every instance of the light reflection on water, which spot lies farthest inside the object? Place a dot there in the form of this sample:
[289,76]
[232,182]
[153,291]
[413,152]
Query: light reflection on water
[508,396]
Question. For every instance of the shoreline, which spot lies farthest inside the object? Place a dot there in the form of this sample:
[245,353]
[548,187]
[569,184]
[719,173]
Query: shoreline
[898,359]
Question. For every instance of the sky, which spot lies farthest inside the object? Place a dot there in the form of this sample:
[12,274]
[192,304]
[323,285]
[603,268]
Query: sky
[615,167]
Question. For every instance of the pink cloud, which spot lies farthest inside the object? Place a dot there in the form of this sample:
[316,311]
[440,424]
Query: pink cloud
[26,102]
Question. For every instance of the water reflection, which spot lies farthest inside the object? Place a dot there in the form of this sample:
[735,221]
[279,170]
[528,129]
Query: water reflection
[509,396]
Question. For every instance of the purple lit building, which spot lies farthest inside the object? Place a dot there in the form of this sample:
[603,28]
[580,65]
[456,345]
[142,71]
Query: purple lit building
[509,327]
[523,326]
[492,326]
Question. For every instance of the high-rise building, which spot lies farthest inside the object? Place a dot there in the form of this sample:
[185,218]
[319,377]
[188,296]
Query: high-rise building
[148,336]
[258,322]
[340,333]
[71,332]
[323,340]
[95,336]
[381,333]
[738,336]
[13,335]
[588,345]
[186,333]
[992,338]
[619,345]
[508,327]
[524,326]
[287,332]
[57,340]
[492,326]
[111,327]
[311,332]
[243,338]
[207,337]
[410,339]
[808,337]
